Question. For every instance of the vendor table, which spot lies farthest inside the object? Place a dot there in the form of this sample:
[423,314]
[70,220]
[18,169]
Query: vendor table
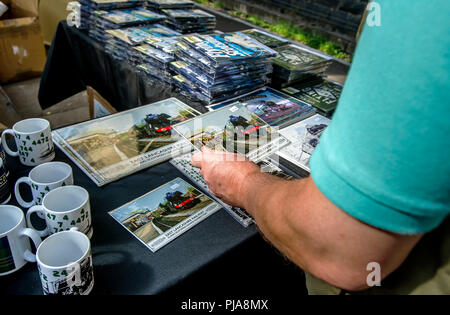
[216,256]
[213,256]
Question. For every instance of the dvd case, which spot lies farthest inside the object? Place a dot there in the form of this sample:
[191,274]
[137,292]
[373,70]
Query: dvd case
[112,147]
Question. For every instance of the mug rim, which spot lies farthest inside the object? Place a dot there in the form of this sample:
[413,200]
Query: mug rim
[51,192]
[30,119]
[22,217]
[51,162]
[59,234]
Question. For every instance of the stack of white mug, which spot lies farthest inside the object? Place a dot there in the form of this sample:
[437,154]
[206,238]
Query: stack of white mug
[64,259]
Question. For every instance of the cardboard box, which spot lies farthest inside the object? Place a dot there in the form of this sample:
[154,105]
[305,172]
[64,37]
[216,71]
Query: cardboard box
[51,12]
[22,52]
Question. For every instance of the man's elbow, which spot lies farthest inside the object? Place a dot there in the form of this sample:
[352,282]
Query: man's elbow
[348,278]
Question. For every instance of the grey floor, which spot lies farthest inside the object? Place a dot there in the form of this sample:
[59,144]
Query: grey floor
[24,98]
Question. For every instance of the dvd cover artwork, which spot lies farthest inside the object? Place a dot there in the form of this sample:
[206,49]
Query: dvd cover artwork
[274,107]
[226,48]
[115,146]
[270,40]
[304,137]
[323,95]
[163,214]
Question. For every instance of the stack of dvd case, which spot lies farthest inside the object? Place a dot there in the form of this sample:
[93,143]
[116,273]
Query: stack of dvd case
[295,63]
[123,41]
[159,5]
[322,93]
[268,39]
[187,21]
[106,20]
[217,67]
[88,7]
[154,57]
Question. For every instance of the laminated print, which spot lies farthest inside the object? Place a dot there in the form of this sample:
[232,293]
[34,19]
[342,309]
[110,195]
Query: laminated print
[304,137]
[270,40]
[273,107]
[128,17]
[115,146]
[184,165]
[163,214]
[323,95]
[234,129]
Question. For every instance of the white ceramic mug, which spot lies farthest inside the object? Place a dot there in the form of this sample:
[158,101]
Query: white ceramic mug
[64,208]
[42,179]
[15,247]
[64,262]
[33,140]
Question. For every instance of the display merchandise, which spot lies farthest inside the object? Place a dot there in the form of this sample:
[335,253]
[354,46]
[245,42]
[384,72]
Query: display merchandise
[213,68]
[163,214]
[41,180]
[323,94]
[268,39]
[115,146]
[184,165]
[304,137]
[275,108]
[296,63]
[234,129]
[188,21]
[122,42]
[33,140]
[159,5]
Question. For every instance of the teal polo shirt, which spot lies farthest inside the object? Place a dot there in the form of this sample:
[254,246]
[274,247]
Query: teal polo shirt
[385,158]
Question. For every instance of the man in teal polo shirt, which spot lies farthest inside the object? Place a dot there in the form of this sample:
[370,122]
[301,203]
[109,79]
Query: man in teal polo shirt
[379,190]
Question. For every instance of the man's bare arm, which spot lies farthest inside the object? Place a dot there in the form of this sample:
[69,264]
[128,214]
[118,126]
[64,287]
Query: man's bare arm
[304,225]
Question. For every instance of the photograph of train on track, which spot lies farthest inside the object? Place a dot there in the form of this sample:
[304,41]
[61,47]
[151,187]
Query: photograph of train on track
[232,128]
[118,145]
[163,214]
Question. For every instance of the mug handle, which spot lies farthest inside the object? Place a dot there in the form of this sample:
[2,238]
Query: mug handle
[5,144]
[28,255]
[19,198]
[38,209]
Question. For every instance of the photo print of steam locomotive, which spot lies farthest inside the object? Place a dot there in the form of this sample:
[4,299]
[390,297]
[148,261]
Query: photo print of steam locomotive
[304,137]
[163,214]
[115,146]
[232,128]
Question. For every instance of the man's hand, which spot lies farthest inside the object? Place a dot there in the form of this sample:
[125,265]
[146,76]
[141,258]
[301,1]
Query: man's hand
[226,174]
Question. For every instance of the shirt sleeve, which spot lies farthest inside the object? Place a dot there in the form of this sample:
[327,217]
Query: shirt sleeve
[385,158]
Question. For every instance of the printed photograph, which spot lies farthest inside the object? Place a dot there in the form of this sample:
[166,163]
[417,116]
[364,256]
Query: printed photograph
[304,137]
[162,214]
[232,128]
[115,140]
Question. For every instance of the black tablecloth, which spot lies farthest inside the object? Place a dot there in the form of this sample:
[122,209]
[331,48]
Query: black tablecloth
[225,250]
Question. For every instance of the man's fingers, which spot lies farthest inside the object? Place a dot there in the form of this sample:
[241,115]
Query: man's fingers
[197,159]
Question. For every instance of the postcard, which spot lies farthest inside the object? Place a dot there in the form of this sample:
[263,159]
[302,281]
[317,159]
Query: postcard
[115,146]
[165,213]
[304,137]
